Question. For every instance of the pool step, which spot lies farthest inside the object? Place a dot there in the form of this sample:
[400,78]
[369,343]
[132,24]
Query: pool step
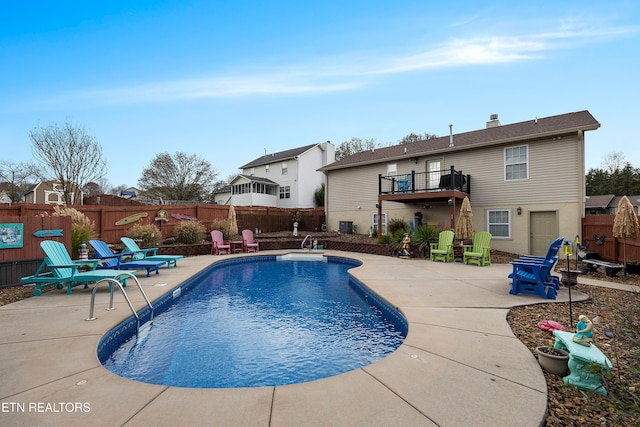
[303,256]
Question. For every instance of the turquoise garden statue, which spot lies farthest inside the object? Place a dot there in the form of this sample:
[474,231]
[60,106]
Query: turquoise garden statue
[584,328]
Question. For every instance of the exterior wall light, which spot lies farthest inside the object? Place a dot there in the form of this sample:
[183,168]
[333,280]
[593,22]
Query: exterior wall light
[519,210]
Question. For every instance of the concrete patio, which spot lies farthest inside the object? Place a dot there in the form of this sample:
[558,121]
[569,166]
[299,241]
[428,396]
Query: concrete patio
[459,365]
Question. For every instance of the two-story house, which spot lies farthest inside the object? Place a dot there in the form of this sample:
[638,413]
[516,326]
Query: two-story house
[287,179]
[51,192]
[525,181]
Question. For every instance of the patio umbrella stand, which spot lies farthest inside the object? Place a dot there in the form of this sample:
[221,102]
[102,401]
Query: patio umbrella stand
[464,225]
[625,224]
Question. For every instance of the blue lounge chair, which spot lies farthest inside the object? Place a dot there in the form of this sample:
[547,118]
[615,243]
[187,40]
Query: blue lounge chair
[118,261]
[148,254]
[535,278]
[533,259]
[63,270]
[551,252]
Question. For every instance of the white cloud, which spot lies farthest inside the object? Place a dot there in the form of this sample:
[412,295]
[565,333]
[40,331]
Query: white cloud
[353,71]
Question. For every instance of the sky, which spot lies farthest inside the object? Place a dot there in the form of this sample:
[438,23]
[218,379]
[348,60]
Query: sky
[232,80]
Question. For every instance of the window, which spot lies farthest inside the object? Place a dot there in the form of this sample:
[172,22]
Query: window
[285,192]
[499,223]
[252,171]
[516,163]
[434,167]
[284,170]
[384,222]
[392,169]
[266,169]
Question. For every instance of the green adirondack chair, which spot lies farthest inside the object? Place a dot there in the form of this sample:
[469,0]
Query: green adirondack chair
[63,270]
[443,250]
[148,254]
[480,252]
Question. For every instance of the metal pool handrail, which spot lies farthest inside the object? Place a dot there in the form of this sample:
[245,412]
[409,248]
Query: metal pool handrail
[126,297]
[308,236]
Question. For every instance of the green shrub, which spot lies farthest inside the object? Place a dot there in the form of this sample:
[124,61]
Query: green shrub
[145,235]
[82,228]
[221,225]
[385,239]
[189,232]
[396,224]
[423,236]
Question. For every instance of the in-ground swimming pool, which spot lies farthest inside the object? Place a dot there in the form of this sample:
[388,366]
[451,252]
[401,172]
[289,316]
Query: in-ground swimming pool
[260,321]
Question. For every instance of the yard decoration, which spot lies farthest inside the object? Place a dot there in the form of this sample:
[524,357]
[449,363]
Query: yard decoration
[625,224]
[132,218]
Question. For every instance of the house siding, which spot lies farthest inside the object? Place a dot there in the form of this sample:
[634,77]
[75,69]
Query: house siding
[555,183]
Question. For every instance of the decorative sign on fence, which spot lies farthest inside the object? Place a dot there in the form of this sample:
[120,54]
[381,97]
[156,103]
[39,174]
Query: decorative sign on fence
[184,217]
[11,235]
[48,233]
[162,215]
[132,218]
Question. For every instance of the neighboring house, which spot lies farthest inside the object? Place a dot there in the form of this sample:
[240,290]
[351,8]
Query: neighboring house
[50,192]
[607,204]
[4,197]
[222,196]
[525,181]
[287,179]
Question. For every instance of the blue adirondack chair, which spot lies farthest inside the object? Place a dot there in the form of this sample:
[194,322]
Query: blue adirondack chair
[404,184]
[64,271]
[118,261]
[551,252]
[535,278]
[148,254]
[533,259]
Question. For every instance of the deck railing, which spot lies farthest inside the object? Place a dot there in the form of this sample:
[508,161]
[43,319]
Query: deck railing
[420,182]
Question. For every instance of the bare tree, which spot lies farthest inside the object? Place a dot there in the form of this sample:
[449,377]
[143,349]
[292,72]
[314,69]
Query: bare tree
[178,177]
[613,162]
[15,179]
[69,155]
[355,145]
[412,137]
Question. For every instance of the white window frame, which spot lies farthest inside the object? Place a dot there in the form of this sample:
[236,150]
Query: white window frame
[491,226]
[285,192]
[434,174]
[392,169]
[374,221]
[508,161]
[285,169]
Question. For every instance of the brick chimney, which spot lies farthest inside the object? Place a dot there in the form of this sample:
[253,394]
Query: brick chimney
[493,121]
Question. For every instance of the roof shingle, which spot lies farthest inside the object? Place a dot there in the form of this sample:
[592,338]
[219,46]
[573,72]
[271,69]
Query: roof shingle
[531,129]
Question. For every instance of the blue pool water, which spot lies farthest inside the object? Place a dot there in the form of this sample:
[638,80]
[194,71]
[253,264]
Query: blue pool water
[260,322]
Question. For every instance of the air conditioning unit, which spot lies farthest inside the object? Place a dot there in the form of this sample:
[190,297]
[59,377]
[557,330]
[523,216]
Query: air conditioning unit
[346,227]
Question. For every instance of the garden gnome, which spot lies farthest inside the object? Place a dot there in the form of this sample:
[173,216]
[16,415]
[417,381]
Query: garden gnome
[584,334]
[406,244]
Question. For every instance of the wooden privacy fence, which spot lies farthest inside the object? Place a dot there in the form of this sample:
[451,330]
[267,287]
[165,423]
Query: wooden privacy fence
[610,248]
[266,219]
[23,260]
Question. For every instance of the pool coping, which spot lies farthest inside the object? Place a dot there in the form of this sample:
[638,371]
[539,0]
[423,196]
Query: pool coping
[459,365]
